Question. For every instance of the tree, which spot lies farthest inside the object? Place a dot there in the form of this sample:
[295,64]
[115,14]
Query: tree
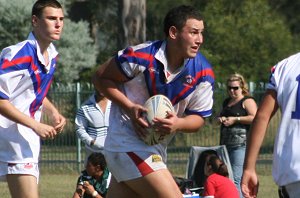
[133,22]
[77,51]
[244,36]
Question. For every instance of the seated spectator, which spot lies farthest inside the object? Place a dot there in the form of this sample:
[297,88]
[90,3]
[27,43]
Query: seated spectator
[94,180]
[199,176]
[217,184]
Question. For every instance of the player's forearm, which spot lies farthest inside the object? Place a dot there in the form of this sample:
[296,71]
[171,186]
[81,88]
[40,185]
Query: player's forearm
[190,123]
[12,113]
[255,140]
[258,129]
[48,107]
[110,90]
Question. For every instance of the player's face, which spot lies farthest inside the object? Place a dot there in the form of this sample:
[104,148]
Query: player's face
[49,26]
[190,37]
[234,89]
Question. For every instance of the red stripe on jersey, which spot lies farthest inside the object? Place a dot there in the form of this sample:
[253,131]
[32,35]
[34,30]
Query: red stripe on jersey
[143,167]
[24,59]
[148,57]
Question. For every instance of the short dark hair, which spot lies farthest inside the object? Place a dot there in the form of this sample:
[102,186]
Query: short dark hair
[97,159]
[40,5]
[178,16]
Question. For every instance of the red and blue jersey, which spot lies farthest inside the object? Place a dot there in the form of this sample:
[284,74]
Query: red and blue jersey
[19,65]
[195,71]
[190,90]
[24,81]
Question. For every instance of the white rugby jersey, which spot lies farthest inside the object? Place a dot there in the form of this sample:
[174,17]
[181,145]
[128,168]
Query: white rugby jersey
[285,80]
[190,91]
[24,81]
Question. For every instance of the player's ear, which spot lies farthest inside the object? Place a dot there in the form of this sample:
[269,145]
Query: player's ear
[34,19]
[173,32]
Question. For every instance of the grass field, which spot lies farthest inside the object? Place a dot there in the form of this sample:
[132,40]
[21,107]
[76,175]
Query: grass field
[63,186]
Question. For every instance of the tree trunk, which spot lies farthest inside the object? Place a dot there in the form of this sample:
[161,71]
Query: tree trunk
[132,15]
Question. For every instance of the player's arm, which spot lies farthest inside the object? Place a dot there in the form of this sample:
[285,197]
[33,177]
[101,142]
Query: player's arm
[12,113]
[58,121]
[266,110]
[171,124]
[106,79]
[199,107]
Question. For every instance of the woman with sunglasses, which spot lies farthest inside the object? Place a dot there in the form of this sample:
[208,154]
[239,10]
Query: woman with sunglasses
[235,118]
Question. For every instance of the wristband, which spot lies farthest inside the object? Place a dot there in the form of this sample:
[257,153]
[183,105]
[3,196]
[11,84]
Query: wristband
[95,193]
[238,119]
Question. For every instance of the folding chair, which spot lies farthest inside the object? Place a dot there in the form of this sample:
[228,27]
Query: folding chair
[196,153]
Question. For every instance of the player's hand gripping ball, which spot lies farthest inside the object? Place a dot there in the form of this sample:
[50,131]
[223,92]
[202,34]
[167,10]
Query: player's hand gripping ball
[157,106]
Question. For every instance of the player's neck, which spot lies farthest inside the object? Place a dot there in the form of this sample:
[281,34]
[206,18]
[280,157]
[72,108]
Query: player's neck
[175,61]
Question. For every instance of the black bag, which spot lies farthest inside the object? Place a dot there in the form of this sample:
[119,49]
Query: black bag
[184,184]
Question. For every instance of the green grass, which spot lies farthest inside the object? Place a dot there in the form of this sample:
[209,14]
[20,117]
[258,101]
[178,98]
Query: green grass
[63,186]
[50,186]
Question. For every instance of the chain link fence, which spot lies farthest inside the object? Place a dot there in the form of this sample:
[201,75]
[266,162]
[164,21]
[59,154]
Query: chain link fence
[66,153]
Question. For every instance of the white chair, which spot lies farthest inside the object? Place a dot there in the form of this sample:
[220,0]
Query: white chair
[194,156]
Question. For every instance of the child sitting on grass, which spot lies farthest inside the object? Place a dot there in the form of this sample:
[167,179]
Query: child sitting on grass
[94,180]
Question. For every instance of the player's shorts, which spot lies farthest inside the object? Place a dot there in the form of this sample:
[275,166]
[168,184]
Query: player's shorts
[131,165]
[18,169]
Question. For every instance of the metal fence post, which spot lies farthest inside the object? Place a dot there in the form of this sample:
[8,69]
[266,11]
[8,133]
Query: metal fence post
[78,142]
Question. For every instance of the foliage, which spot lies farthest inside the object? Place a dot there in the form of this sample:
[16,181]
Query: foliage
[246,37]
[76,47]
[290,10]
[240,35]
[14,21]
[156,11]
[77,51]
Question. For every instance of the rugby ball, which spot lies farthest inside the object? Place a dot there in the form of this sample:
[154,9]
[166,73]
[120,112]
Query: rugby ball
[157,106]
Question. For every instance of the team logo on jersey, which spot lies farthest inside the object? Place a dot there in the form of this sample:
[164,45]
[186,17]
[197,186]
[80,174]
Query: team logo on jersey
[156,158]
[152,70]
[189,81]
[37,71]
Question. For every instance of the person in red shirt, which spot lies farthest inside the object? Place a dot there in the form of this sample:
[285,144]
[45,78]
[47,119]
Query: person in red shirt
[217,184]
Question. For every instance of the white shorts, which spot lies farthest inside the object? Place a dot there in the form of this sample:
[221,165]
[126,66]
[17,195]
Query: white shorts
[18,169]
[132,165]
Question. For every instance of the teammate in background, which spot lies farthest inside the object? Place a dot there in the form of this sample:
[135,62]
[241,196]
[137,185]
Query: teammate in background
[94,180]
[217,184]
[173,67]
[26,72]
[236,116]
[282,93]
[92,122]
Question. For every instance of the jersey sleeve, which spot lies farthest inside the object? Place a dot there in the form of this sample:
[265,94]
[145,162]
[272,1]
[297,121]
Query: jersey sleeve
[276,72]
[202,100]
[134,59]
[10,74]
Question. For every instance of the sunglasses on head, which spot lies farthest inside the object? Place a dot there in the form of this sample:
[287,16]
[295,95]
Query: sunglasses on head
[234,88]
